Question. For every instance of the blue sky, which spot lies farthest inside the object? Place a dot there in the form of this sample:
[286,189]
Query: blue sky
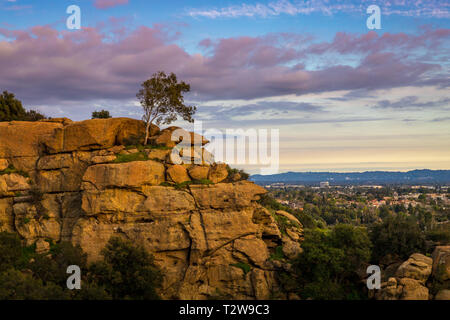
[343,97]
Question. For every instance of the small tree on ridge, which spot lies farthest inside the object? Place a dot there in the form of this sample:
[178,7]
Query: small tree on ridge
[162,99]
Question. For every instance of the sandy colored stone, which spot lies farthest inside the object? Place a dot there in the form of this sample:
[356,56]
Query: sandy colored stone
[123,175]
[32,223]
[42,246]
[173,135]
[417,267]
[4,164]
[253,248]
[21,139]
[441,263]
[218,172]
[158,154]
[93,134]
[226,195]
[103,159]
[178,174]
[13,183]
[443,295]
[164,200]
[291,217]
[413,290]
[198,172]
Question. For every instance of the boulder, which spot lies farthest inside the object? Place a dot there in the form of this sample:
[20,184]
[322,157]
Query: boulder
[417,267]
[441,263]
[157,154]
[10,184]
[178,174]
[402,289]
[443,295]
[218,172]
[123,175]
[23,137]
[172,136]
[412,290]
[198,172]
[94,134]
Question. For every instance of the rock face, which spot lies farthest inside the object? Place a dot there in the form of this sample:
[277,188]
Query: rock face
[77,182]
[415,276]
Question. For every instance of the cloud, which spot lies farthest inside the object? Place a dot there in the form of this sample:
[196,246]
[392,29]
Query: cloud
[429,8]
[412,102]
[44,64]
[104,4]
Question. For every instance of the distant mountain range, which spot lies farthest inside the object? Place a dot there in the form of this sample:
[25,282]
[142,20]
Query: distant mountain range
[414,177]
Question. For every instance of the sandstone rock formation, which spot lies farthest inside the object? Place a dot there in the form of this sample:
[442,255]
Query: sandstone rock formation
[416,276]
[83,182]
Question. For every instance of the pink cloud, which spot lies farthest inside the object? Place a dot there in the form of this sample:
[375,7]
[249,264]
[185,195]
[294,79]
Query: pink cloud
[104,4]
[44,64]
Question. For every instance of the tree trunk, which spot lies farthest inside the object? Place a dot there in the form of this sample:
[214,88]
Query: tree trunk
[147,133]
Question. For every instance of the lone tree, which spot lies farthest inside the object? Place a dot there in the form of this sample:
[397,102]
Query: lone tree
[11,109]
[161,96]
[103,114]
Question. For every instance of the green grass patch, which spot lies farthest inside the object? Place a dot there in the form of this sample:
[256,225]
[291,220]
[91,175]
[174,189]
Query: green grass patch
[241,265]
[138,156]
[185,184]
[11,170]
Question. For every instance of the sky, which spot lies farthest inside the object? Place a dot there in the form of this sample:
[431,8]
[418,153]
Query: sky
[343,97]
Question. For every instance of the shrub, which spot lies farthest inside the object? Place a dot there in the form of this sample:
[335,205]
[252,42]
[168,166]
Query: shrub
[10,250]
[327,267]
[127,272]
[11,109]
[398,234]
[103,114]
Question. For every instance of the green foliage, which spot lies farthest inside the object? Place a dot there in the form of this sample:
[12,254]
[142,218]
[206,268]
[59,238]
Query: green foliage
[10,250]
[20,285]
[233,171]
[270,203]
[398,234]
[53,269]
[33,115]
[127,272]
[138,156]
[162,99]
[11,170]
[326,269]
[103,114]
[278,254]
[441,236]
[11,109]
[244,266]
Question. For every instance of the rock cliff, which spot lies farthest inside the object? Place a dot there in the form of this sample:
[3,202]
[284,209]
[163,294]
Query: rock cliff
[417,276]
[84,182]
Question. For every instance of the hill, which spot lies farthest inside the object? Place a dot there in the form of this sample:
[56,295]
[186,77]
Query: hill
[414,177]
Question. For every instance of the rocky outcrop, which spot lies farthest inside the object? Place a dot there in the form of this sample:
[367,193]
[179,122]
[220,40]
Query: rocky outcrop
[417,277]
[85,182]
